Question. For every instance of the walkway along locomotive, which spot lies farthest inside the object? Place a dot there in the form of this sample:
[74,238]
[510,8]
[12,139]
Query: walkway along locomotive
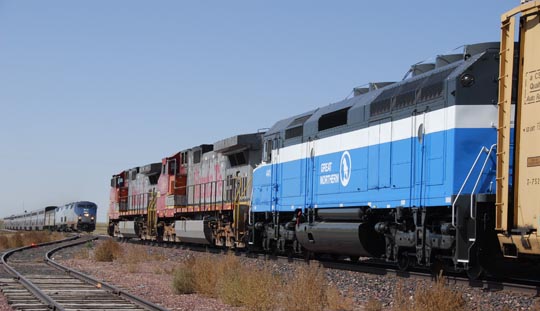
[417,172]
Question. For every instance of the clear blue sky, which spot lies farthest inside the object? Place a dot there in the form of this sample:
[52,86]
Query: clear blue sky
[89,88]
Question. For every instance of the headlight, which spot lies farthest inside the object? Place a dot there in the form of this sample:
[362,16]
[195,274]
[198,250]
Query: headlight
[467,80]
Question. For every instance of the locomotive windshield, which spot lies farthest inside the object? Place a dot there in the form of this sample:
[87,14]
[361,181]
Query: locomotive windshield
[87,208]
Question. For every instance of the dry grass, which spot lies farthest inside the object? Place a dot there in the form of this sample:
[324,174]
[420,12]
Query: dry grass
[401,299]
[20,239]
[536,305]
[126,254]
[17,240]
[337,301]
[184,280]
[101,228]
[230,287]
[308,285]
[236,285]
[209,271]
[438,297]
[108,250]
[258,289]
[135,254]
[158,270]
[133,267]
[311,289]
[373,305]
[83,253]
[261,287]
[4,242]
[255,289]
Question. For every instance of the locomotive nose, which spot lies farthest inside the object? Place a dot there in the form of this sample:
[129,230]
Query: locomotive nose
[86,218]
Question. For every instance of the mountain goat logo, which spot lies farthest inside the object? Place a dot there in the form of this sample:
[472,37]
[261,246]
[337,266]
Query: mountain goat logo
[345,168]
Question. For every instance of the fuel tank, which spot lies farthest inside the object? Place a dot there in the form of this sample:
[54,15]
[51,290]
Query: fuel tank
[345,238]
[127,229]
[193,231]
[340,214]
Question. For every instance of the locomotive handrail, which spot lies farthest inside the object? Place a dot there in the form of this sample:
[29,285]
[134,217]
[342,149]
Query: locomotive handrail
[483,149]
[479,176]
[206,194]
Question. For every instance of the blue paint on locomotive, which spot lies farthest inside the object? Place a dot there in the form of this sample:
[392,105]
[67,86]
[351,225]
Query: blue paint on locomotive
[399,173]
[86,209]
[77,216]
[73,216]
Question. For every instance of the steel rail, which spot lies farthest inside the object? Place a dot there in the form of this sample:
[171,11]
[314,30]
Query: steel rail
[488,283]
[371,266]
[51,304]
[90,280]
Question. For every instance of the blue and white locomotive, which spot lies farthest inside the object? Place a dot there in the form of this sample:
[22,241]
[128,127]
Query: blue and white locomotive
[384,173]
[75,216]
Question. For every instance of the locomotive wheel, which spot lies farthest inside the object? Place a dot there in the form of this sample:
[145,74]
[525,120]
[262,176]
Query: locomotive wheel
[437,268]
[475,272]
[289,252]
[403,261]
[475,269]
[273,248]
[223,243]
[308,255]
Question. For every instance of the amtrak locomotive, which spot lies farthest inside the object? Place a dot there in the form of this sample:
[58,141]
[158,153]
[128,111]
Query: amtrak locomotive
[75,216]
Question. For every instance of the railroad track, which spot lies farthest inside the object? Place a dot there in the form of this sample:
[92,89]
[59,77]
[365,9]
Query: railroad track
[522,286]
[39,283]
[529,287]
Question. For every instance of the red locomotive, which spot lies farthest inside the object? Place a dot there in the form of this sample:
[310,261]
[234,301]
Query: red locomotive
[199,195]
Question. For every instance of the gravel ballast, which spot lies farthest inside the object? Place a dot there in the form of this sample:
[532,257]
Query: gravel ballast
[152,280]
